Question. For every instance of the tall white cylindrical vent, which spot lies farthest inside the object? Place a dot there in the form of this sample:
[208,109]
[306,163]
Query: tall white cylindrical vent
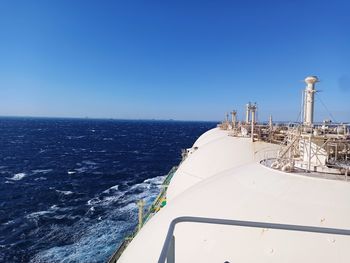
[247,113]
[309,100]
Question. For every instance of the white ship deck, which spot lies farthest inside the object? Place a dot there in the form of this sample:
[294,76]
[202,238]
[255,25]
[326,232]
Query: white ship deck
[223,179]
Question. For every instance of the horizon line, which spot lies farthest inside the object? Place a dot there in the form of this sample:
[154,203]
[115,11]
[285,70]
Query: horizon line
[102,118]
[135,119]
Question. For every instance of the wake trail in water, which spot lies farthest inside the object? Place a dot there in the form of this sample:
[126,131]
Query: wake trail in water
[101,234]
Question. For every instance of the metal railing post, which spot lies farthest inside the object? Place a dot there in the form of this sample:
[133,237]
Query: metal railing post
[171,251]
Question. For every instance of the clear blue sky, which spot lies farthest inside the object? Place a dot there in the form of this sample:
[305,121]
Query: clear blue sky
[189,60]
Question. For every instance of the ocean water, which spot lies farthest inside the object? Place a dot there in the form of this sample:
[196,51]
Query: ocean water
[69,187]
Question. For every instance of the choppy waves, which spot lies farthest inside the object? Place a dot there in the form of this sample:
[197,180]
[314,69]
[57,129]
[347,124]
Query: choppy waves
[68,188]
[101,234]
[17,177]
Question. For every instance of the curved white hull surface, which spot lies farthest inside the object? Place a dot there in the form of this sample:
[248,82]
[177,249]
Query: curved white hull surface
[223,178]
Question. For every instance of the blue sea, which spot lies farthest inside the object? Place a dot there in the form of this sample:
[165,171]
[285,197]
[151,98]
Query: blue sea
[69,187]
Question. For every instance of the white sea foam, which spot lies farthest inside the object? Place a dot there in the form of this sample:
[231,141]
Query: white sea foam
[71,172]
[148,184]
[95,240]
[51,211]
[87,162]
[17,177]
[111,189]
[155,180]
[81,169]
[93,201]
[8,222]
[95,244]
[105,201]
[145,190]
[41,171]
[40,178]
[38,213]
[64,192]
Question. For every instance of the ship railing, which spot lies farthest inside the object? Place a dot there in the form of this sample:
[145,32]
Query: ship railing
[168,251]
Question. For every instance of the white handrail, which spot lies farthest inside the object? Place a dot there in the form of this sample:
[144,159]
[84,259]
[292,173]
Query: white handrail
[168,250]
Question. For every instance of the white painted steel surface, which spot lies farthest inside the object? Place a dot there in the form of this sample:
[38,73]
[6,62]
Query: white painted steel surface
[309,100]
[223,179]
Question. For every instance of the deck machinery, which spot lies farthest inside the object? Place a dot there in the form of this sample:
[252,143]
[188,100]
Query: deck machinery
[318,149]
[254,192]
